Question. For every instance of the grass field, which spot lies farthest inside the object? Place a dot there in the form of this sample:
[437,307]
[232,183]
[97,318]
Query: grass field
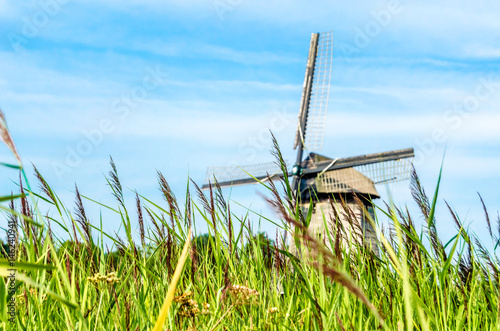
[233,278]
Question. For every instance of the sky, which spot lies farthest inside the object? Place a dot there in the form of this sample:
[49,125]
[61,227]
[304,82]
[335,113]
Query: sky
[178,86]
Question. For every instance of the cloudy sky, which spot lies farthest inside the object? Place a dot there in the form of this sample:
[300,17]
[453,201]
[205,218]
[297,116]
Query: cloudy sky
[178,86]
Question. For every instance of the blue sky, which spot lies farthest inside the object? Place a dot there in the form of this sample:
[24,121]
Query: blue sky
[182,85]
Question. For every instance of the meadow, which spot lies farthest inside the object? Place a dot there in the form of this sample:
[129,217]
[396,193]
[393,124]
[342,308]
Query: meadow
[234,278]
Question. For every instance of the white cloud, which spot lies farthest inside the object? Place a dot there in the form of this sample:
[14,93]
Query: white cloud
[401,92]
[244,57]
[479,128]
[6,9]
[237,86]
[482,51]
[456,29]
[463,164]
[206,127]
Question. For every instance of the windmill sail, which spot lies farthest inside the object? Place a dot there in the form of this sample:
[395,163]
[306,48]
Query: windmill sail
[343,180]
[241,175]
[339,175]
[358,161]
[315,97]
[378,168]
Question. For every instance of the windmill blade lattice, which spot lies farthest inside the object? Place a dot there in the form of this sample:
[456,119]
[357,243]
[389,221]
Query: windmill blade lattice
[387,172]
[320,94]
[362,177]
[232,175]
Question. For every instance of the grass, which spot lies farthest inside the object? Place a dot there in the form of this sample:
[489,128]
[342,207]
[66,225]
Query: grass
[233,278]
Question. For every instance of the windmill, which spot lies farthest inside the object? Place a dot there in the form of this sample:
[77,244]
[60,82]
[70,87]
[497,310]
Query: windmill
[318,177]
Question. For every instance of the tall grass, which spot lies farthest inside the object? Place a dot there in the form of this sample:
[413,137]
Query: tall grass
[235,279]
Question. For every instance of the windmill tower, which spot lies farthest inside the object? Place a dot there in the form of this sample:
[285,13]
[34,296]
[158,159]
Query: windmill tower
[317,177]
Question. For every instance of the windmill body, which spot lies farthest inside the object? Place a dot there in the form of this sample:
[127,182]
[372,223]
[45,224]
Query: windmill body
[331,193]
[323,180]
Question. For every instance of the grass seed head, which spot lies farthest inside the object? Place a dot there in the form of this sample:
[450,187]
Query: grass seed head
[21,298]
[188,307]
[110,279]
[243,295]
[273,310]
[206,309]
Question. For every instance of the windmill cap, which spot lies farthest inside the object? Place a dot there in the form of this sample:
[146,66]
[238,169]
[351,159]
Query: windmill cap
[346,180]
